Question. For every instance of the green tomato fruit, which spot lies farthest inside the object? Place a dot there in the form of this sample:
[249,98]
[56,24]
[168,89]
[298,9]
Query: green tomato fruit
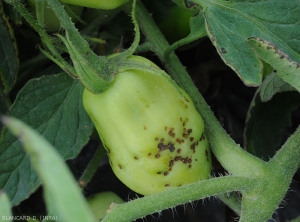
[152,131]
[99,4]
[52,23]
[177,24]
[100,203]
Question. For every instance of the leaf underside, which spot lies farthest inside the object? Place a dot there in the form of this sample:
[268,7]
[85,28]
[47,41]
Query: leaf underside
[52,105]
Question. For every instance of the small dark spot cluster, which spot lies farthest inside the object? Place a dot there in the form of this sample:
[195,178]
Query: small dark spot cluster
[183,103]
[186,133]
[164,144]
[207,156]
[162,147]
[202,137]
[171,132]
[180,141]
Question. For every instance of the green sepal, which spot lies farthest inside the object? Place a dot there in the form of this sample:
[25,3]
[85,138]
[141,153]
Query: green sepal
[89,77]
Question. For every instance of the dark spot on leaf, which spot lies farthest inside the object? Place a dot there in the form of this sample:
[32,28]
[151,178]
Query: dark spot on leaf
[223,50]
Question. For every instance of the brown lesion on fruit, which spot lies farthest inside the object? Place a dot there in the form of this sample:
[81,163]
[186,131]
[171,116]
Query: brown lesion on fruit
[166,185]
[168,143]
[184,160]
[162,147]
[207,155]
[202,137]
[120,166]
[149,154]
[186,133]
[183,103]
[136,158]
[180,141]
[145,127]
[193,146]
[171,132]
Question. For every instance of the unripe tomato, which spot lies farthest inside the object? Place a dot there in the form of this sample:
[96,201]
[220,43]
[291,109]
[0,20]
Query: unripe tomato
[99,4]
[100,203]
[152,131]
[52,23]
[176,25]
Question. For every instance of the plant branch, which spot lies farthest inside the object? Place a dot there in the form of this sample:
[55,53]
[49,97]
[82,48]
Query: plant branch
[186,194]
[92,167]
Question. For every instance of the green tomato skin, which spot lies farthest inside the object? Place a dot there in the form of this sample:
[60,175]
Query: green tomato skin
[100,203]
[152,131]
[98,4]
[52,23]
[177,24]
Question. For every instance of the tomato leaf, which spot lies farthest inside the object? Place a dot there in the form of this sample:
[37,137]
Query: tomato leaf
[271,85]
[63,201]
[8,55]
[197,31]
[267,122]
[286,68]
[230,24]
[52,105]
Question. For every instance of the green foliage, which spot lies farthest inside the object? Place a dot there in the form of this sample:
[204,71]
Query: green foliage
[52,105]
[230,25]
[63,197]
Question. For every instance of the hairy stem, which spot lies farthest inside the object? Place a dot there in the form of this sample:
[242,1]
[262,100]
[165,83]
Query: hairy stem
[186,194]
[92,167]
